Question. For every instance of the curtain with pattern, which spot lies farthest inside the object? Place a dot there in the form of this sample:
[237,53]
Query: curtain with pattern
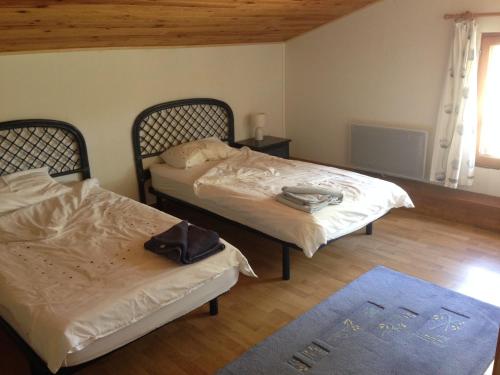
[454,153]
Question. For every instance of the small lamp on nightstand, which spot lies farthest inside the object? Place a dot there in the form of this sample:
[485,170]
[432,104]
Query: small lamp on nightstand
[259,123]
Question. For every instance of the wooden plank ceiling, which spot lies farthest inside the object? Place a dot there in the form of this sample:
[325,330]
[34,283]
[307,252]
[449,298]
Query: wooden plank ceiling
[67,24]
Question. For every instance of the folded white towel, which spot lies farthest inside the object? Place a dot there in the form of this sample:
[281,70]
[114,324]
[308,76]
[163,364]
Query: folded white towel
[309,189]
[309,198]
[311,195]
[300,206]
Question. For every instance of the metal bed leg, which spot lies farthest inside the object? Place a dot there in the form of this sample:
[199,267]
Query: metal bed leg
[369,229]
[214,306]
[286,263]
[40,369]
[161,203]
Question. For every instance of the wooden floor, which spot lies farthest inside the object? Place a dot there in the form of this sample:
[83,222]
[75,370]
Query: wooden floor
[459,257]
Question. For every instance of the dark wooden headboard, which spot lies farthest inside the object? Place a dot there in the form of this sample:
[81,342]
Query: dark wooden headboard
[36,143]
[172,123]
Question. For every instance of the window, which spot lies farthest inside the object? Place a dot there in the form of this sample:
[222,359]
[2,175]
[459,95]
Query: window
[488,145]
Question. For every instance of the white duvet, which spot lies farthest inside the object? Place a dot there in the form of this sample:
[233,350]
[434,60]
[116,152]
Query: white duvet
[73,269]
[246,186]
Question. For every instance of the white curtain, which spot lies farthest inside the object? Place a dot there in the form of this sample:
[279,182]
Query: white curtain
[454,153]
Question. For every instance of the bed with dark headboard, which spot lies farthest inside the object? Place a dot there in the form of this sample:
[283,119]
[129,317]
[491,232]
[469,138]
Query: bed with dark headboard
[172,123]
[35,143]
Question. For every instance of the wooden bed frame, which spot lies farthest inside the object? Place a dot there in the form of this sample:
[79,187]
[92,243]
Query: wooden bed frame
[36,143]
[169,124]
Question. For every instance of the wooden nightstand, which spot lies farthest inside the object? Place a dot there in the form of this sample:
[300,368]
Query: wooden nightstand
[270,145]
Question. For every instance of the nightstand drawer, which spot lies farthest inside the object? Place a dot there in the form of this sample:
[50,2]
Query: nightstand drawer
[269,145]
[280,151]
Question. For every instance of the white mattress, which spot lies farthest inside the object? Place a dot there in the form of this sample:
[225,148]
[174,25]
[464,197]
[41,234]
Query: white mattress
[80,275]
[209,290]
[206,292]
[178,183]
[243,189]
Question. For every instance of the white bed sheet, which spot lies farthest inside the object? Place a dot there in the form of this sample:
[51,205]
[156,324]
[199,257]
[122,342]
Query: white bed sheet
[196,298]
[243,189]
[81,274]
[206,292]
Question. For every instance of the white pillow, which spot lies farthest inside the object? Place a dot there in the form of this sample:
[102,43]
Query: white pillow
[25,188]
[197,152]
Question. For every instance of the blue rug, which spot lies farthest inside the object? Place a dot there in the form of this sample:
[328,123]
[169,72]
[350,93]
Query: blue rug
[382,323]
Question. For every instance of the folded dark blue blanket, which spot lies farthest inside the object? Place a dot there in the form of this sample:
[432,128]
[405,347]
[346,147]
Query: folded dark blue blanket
[185,243]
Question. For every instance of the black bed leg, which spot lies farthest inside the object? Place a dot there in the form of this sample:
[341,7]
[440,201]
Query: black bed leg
[39,368]
[161,203]
[214,306]
[369,229]
[286,263]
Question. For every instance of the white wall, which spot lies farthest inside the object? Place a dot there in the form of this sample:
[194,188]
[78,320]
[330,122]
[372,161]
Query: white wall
[384,64]
[102,91]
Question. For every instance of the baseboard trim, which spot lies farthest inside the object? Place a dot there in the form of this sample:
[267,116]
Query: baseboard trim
[480,210]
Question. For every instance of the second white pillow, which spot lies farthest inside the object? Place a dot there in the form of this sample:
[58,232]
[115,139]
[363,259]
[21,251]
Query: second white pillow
[193,153]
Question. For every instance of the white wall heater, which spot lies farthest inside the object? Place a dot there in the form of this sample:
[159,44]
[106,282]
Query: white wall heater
[387,150]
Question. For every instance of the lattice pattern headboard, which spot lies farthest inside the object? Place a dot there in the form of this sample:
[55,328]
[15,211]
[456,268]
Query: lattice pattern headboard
[29,144]
[172,123]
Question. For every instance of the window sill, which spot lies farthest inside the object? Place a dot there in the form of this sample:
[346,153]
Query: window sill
[487,162]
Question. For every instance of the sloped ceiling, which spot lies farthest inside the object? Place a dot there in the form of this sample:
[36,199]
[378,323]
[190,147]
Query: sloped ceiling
[67,24]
